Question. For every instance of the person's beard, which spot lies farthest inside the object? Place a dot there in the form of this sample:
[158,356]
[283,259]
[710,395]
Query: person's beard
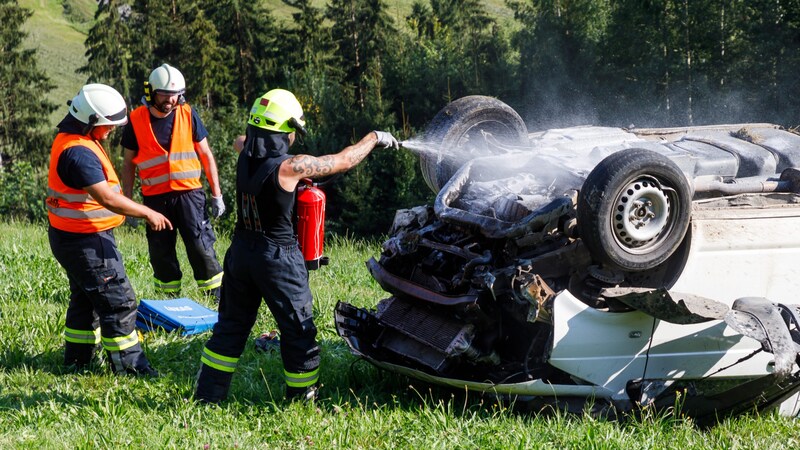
[164,107]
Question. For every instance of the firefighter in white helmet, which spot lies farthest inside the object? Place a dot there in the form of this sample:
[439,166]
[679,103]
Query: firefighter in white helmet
[85,204]
[167,143]
[264,260]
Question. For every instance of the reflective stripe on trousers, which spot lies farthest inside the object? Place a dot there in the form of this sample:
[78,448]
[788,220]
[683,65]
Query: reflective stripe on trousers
[119,343]
[167,286]
[301,380]
[212,283]
[82,336]
[219,362]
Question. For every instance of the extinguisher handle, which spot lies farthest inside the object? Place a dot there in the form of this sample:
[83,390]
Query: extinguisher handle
[310,182]
[328,181]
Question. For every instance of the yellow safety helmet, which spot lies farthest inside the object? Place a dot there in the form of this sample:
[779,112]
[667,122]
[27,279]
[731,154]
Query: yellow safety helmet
[278,110]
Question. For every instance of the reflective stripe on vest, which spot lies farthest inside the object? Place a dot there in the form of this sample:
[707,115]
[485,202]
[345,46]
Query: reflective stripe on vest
[161,171]
[74,210]
[76,197]
[301,380]
[219,362]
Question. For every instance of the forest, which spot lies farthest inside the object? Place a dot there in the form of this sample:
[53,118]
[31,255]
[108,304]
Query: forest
[559,63]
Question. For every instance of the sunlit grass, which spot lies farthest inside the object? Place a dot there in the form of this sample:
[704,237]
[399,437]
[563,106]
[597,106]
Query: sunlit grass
[44,406]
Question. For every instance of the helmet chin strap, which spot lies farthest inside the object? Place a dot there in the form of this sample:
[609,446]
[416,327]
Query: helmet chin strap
[92,122]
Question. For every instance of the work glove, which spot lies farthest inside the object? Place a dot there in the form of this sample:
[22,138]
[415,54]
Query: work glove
[217,206]
[386,140]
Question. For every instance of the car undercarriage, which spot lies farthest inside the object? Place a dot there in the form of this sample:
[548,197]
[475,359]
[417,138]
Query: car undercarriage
[627,267]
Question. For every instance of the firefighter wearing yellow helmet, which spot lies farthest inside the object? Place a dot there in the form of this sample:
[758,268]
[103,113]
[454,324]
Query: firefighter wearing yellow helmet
[264,260]
[277,110]
[166,142]
[85,204]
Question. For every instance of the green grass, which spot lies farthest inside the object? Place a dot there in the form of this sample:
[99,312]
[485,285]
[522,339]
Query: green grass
[43,406]
[59,42]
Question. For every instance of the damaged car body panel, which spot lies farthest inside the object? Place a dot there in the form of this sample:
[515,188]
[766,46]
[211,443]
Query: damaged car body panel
[633,266]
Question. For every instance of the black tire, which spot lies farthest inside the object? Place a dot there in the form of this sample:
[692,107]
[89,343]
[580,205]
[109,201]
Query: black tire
[634,210]
[456,134]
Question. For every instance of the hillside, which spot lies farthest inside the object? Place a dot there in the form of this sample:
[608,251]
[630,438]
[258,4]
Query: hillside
[59,41]
[58,30]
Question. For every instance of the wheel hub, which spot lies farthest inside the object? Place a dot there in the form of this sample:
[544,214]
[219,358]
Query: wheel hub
[641,214]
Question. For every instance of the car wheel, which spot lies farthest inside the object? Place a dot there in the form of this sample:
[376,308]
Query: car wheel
[633,210]
[458,134]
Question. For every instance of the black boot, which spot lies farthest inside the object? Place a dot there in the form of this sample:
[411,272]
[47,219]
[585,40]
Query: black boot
[304,394]
[212,385]
[146,371]
[78,356]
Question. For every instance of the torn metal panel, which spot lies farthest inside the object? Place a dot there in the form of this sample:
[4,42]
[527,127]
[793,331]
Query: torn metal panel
[761,320]
[672,307]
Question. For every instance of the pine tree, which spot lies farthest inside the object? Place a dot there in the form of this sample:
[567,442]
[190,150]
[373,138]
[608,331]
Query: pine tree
[24,106]
[315,77]
[108,48]
[249,32]
[360,32]
[458,50]
[557,43]
[207,71]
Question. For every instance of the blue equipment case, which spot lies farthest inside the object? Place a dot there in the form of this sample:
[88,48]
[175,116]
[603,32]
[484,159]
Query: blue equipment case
[180,314]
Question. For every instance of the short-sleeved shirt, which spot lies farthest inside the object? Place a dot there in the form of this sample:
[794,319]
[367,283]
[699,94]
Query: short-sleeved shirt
[78,166]
[162,129]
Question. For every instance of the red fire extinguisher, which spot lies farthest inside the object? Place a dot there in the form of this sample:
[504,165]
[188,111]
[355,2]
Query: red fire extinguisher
[311,223]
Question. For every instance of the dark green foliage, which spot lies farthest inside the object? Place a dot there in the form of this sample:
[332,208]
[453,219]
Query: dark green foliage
[360,30]
[24,105]
[557,44]
[108,50]
[372,192]
[458,50]
[354,69]
[223,128]
[22,192]
[253,42]
[211,78]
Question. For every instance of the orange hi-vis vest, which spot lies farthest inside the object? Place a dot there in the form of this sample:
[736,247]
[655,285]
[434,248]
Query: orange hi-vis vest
[160,170]
[74,210]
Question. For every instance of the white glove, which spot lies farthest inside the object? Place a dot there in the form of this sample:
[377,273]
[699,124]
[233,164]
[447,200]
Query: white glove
[386,140]
[217,206]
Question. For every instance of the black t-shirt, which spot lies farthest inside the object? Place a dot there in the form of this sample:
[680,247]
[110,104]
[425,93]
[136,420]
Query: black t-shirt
[275,208]
[78,166]
[162,129]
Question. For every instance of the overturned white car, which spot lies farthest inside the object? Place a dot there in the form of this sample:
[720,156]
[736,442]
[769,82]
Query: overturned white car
[628,267]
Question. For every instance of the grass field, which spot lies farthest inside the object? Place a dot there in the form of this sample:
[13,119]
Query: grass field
[43,406]
[59,43]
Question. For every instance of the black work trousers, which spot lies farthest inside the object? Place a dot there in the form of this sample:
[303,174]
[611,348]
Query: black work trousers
[256,268]
[187,212]
[100,296]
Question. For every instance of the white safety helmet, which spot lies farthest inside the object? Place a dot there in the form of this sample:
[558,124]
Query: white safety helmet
[167,79]
[98,104]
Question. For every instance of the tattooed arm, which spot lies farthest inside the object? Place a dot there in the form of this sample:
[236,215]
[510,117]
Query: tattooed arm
[305,166]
